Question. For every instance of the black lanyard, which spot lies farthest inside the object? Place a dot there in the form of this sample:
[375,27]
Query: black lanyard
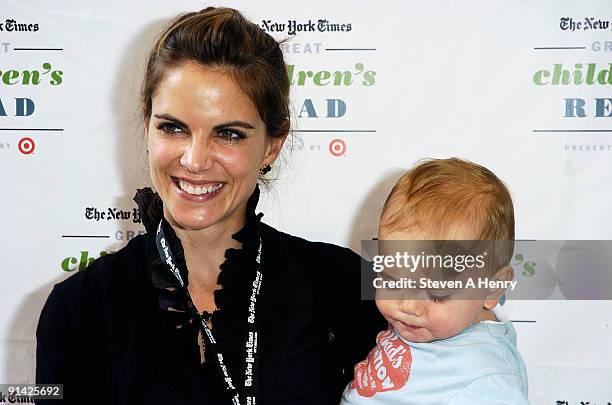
[251,358]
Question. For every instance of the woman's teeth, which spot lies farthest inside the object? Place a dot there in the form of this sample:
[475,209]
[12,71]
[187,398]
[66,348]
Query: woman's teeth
[198,190]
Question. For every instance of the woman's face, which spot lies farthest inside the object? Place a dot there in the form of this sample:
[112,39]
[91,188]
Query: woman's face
[206,144]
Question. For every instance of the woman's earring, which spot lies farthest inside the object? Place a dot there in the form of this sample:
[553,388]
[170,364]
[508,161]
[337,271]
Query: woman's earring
[265,169]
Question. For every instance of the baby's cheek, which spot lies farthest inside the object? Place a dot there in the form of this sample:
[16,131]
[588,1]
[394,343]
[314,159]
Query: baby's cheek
[384,306]
[446,323]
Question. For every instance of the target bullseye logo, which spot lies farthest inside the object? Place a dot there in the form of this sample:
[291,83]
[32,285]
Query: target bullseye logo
[26,145]
[337,147]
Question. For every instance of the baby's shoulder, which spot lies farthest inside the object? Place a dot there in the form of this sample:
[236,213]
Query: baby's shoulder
[490,348]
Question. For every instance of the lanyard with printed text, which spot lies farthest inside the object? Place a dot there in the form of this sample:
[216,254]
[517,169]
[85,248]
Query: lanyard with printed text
[251,357]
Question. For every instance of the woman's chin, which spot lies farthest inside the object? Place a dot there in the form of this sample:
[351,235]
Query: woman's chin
[184,219]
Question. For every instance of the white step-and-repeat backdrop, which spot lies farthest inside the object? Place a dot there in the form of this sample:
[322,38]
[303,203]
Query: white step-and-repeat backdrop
[521,87]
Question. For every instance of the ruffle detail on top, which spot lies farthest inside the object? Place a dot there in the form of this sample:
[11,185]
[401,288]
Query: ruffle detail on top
[236,277]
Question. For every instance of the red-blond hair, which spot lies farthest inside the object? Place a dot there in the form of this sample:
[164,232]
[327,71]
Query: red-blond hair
[438,196]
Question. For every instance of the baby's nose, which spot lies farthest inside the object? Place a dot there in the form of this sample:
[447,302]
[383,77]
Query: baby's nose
[412,307]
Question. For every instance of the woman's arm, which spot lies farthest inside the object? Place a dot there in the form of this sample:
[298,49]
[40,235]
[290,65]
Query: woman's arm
[64,347]
[356,321]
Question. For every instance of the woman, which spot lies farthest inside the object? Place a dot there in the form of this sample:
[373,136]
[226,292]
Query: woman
[211,305]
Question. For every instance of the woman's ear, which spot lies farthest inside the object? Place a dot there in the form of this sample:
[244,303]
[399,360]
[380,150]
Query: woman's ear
[146,139]
[506,273]
[275,145]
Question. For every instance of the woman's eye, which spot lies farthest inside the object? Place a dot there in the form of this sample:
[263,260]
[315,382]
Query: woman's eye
[169,128]
[231,135]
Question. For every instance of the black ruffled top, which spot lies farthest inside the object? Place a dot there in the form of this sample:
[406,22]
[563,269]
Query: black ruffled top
[232,300]
[142,333]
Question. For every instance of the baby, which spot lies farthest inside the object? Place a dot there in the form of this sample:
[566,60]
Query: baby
[445,346]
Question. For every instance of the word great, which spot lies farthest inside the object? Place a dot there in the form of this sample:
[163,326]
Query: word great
[605,46]
[296,47]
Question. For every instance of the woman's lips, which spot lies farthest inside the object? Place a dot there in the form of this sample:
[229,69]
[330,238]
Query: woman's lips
[191,191]
[196,182]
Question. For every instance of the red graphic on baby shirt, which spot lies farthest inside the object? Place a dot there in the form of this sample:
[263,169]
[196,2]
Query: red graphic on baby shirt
[387,367]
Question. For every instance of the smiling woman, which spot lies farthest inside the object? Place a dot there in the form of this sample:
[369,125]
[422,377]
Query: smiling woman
[207,147]
[211,305]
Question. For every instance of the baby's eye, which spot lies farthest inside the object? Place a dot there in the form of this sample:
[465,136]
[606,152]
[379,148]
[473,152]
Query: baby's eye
[436,297]
[169,128]
[231,135]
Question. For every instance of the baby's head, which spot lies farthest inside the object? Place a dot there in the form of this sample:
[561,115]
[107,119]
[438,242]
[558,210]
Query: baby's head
[447,199]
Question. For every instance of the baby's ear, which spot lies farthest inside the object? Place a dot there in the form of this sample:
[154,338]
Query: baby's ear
[506,273]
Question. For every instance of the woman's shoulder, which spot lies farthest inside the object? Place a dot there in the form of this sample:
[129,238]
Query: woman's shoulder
[99,307]
[119,265]
[110,277]
[309,251]
[326,267]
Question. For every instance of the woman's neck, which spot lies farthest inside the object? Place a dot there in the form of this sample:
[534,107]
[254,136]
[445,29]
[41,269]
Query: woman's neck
[204,249]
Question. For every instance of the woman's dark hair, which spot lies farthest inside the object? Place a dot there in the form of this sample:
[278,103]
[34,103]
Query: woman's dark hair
[219,38]
[223,38]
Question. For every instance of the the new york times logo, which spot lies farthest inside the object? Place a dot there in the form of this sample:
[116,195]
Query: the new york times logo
[14,399]
[10,25]
[292,27]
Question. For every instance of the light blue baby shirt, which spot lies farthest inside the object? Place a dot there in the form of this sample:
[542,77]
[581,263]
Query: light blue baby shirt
[480,366]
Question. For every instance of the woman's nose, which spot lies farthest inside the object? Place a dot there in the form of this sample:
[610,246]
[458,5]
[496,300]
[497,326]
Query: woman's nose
[198,156]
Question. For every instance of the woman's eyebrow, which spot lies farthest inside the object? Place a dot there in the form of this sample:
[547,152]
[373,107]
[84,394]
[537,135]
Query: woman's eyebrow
[171,118]
[235,123]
